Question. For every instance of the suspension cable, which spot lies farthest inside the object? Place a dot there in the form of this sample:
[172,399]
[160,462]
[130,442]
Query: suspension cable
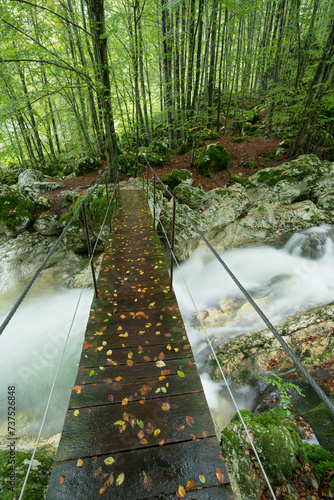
[220,368]
[51,252]
[289,351]
[64,348]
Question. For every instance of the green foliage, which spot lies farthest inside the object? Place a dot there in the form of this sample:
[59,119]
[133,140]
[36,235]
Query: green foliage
[182,149]
[251,164]
[238,140]
[85,164]
[9,177]
[235,179]
[284,388]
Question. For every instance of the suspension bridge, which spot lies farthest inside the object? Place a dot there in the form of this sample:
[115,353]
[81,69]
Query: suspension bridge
[138,425]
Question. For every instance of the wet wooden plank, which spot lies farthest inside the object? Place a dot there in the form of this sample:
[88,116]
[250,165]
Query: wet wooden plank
[148,473]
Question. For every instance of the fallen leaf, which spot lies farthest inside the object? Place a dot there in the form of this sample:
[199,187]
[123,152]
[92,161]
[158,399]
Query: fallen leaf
[190,485]
[143,441]
[180,374]
[129,362]
[125,401]
[119,422]
[160,364]
[77,388]
[111,397]
[156,432]
[140,423]
[102,490]
[201,478]
[147,482]
[108,381]
[189,420]
[109,481]
[91,373]
[181,491]
[149,428]
[120,479]
[161,356]
[119,379]
[220,476]
[61,480]
[141,434]
[180,427]
[79,462]
[165,406]
[76,413]
[109,460]
[161,442]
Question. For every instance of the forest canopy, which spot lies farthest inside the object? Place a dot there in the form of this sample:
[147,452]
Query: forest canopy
[94,77]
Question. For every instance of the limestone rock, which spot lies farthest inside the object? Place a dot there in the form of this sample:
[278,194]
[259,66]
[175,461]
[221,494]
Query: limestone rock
[48,225]
[189,195]
[16,211]
[213,158]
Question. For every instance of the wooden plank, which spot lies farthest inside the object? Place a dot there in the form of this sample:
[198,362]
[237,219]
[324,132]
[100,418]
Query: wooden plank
[148,473]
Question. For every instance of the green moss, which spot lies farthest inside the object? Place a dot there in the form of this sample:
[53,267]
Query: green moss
[38,478]
[237,140]
[235,179]
[213,158]
[14,208]
[176,177]
[95,207]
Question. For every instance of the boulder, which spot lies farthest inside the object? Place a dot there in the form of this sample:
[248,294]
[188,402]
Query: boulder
[176,177]
[213,158]
[278,445]
[85,164]
[32,182]
[189,195]
[16,211]
[48,225]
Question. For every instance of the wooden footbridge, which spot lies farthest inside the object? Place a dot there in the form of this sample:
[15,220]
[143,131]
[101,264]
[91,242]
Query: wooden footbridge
[138,425]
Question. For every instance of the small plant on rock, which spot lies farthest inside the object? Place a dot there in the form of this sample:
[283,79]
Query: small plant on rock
[285,394]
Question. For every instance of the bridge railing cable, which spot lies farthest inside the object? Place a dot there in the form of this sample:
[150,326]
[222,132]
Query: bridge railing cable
[91,257]
[56,244]
[300,367]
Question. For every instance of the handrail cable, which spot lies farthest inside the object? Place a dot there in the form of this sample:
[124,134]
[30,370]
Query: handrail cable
[47,258]
[220,368]
[64,349]
[290,352]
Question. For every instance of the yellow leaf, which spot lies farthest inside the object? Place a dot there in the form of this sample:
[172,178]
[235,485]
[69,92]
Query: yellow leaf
[181,491]
[76,413]
[120,479]
[156,432]
[79,462]
[109,352]
[109,460]
[201,478]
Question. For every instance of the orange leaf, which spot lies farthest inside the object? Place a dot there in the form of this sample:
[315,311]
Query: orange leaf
[220,476]
[165,372]
[102,490]
[161,356]
[79,462]
[180,427]
[190,485]
[111,397]
[126,417]
[119,379]
[143,441]
[189,420]
[161,442]
[108,381]
[141,434]
[149,428]
[165,406]
[147,358]
[61,480]
[129,362]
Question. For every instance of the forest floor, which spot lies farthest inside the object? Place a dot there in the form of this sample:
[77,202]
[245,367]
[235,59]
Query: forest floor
[258,149]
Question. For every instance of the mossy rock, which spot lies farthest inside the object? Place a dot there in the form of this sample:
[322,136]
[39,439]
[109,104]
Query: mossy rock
[176,177]
[86,164]
[213,158]
[8,177]
[16,212]
[38,478]
[189,195]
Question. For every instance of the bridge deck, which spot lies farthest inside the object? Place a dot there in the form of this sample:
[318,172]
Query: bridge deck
[138,425]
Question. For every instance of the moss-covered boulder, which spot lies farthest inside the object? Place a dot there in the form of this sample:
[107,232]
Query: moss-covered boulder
[275,446]
[176,177]
[85,164]
[16,212]
[213,158]
[189,195]
[38,478]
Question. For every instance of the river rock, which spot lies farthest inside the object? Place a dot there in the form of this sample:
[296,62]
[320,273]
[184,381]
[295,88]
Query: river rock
[278,444]
[22,256]
[310,335]
[48,225]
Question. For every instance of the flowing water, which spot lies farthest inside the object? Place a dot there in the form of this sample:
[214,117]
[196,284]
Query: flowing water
[31,345]
[283,280]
